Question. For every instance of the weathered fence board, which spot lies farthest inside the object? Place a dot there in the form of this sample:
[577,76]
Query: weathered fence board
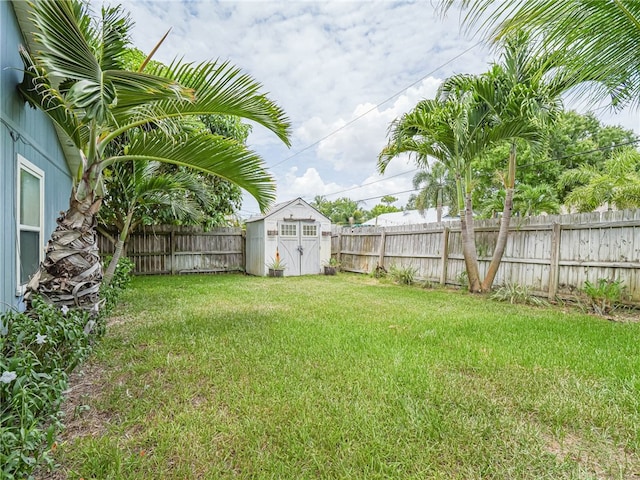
[551,255]
[175,250]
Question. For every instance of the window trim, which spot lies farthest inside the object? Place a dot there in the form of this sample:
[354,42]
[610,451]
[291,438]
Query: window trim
[30,168]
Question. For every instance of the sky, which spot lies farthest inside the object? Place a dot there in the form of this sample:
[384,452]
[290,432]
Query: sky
[341,70]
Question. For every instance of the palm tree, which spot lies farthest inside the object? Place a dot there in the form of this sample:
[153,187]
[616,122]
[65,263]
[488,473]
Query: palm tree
[448,129]
[522,98]
[437,189]
[535,200]
[599,39]
[76,78]
[135,190]
[616,184]
[514,100]
[529,200]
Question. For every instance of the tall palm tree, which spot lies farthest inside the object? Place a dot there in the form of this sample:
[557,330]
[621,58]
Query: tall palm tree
[76,78]
[136,190]
[437,189]
[616,184]
[449,130]
[523,93]
[599,39]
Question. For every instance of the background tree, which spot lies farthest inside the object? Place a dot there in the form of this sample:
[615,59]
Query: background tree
[77,79]
[574,139]
[380,209]
[437,189]
[342,211]
[615,184]
[137,191]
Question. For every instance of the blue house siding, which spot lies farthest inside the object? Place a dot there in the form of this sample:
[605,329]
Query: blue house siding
[26,132]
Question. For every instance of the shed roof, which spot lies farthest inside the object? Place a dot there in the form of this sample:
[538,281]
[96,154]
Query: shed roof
[281,206]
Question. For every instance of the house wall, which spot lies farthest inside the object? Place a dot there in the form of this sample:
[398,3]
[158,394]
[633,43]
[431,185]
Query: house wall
[26,132]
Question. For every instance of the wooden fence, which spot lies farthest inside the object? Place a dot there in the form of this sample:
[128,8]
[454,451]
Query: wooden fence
[176,250]
[551,255]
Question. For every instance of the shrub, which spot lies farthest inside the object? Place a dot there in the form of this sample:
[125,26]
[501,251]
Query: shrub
[403,275]
[121,279]
[38,350]
[604,295]
[514,293]
[463,279]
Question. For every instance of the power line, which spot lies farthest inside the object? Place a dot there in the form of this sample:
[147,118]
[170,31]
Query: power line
[631,142]
[599,149]
[367,112]
[370,183]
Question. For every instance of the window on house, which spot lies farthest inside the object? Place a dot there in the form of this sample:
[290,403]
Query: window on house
[30,220]
[288,230]
[309,230]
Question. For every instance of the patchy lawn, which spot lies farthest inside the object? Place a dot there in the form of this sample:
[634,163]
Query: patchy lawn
[214,377]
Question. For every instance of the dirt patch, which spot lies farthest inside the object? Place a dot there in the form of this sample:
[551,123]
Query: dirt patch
[81,418]
[603,460]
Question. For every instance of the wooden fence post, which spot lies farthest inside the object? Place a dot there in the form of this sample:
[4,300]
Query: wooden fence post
[339,252]
[445,256]
[555,260]
[383,237]
[172,247]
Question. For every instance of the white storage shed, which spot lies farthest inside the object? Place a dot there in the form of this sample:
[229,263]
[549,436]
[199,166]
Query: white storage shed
[299,232]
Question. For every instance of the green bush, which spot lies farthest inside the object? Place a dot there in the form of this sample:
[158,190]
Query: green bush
[604,295]
[121,279]
[403,275]
[38,351]
[514,293]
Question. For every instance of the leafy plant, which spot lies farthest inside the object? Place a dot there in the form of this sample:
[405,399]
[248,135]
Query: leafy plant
[276,264]
[403,275]
[332,262]
[38,350]
[463,280]
[604,295]
[514,293]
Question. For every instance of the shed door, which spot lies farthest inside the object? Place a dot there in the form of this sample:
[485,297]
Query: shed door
[299,246]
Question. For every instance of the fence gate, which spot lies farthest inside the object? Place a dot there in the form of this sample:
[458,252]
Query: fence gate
[299,246]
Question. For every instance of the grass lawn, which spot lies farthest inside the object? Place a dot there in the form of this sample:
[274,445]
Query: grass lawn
[214,377]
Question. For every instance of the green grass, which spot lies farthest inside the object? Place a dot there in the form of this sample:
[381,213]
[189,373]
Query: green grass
[214,377]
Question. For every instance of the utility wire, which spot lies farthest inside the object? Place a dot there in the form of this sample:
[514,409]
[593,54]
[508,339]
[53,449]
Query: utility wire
[577,154]
[631,142]
[367,112]
[370,183]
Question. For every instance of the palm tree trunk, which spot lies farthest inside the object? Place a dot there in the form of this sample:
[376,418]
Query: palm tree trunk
[467,231]
[71,272]
[505,221]
[117,254]
[469,251]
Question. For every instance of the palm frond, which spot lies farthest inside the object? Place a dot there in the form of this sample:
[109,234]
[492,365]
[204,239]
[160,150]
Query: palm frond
[221,88]
[598,39]
[211,154]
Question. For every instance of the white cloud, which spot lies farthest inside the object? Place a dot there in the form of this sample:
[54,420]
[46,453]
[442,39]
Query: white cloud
[326,63]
